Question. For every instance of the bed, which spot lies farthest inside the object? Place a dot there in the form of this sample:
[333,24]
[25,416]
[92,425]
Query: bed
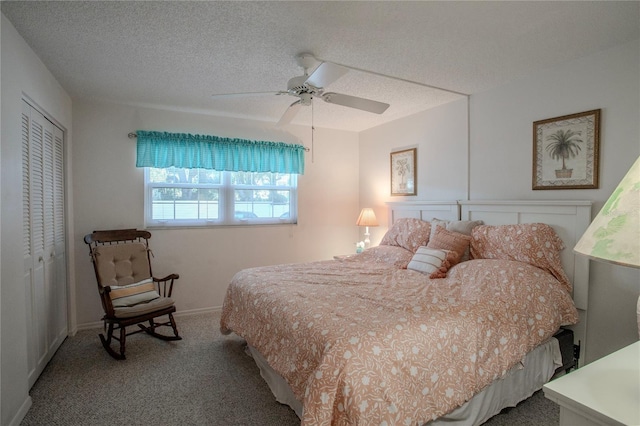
[386,337]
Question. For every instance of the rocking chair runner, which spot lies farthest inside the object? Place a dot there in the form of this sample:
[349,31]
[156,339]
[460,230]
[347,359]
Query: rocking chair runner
[129,293]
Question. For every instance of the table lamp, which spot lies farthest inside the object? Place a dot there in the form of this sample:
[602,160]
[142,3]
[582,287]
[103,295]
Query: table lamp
[614,235]
[367,218]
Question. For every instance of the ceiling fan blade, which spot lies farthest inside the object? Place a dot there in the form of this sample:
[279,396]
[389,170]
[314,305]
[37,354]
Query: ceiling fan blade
[241,95]
[325,74]
[289,113]
[355,102]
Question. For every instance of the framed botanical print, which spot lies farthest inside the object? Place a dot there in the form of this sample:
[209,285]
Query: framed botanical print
[403,172]
[566,151]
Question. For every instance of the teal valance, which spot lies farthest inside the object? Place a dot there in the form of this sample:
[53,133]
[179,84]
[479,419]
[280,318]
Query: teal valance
[162,149]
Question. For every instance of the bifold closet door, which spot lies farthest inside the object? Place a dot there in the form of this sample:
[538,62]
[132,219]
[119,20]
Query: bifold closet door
[44,245]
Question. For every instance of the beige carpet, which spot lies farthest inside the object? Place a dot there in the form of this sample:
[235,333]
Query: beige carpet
[204,379]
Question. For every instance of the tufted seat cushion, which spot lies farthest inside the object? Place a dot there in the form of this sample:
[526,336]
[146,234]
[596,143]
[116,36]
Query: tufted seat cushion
[133,294]
[143,308]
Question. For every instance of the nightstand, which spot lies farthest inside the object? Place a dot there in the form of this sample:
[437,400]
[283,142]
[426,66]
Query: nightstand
[605,392]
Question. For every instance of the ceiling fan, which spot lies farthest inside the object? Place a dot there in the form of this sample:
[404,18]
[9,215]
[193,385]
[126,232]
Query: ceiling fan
[307,87]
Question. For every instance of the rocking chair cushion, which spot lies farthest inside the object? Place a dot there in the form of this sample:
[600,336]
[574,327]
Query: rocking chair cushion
[143,308]
[121,264]
[133,294]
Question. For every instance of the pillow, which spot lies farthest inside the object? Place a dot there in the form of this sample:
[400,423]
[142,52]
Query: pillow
[435,223]
[449,240]
[392,255]
[407,233]
[434,262]
[534,243]
[125,296]
[462,226]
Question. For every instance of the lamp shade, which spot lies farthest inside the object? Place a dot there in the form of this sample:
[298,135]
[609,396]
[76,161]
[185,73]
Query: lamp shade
[367,218]
[614,234]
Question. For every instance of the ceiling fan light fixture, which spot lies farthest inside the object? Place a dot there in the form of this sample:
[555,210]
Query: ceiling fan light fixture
[305,98]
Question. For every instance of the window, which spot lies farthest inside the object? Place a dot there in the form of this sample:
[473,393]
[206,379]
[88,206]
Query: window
[202,197]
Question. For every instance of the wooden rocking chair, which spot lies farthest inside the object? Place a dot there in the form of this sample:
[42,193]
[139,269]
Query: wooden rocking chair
[129,292]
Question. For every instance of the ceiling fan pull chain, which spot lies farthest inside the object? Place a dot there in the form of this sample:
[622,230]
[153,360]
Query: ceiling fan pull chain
[313,129]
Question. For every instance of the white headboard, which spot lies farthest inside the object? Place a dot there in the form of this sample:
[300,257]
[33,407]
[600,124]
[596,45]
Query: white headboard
[425,210]
[568,218]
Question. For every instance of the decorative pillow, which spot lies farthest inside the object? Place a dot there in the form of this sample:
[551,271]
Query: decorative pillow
[133,294]
[449,240]
[392,255]
[407,233]
[434,262]
[462,226]
[534,243]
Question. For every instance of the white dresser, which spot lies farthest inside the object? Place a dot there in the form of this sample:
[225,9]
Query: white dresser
[605,392]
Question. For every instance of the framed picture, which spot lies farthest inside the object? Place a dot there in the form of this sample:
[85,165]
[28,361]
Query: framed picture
[566,151]
[403,172]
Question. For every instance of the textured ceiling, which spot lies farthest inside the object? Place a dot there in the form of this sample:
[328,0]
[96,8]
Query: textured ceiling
[178,54]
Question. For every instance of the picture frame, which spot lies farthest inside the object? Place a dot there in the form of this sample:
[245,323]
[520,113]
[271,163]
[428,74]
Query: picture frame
[404,172]
[566,151]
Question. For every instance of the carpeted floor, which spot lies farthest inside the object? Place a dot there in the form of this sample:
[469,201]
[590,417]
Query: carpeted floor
[204,379]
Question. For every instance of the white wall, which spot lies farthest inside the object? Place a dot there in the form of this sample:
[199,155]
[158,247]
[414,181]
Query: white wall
[22,73]
[440,135]
[108,192]
[501,123]
[500,160]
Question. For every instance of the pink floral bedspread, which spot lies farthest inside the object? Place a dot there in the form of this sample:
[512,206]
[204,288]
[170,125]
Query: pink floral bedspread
[367,343]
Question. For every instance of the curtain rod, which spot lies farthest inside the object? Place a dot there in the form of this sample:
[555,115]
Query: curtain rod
[133,135]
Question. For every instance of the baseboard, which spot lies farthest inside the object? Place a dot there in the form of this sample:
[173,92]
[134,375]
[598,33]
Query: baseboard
[21,412]
[198,311]
[99,324]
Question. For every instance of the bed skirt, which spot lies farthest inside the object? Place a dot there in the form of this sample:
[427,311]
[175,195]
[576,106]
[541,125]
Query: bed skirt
[518,384]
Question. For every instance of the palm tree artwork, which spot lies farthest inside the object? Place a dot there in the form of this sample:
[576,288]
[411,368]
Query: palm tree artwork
[402,168]
[564,144]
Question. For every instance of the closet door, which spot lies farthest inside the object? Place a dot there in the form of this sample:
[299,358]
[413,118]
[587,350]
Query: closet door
[59,324]
[43,238]
[33,236]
